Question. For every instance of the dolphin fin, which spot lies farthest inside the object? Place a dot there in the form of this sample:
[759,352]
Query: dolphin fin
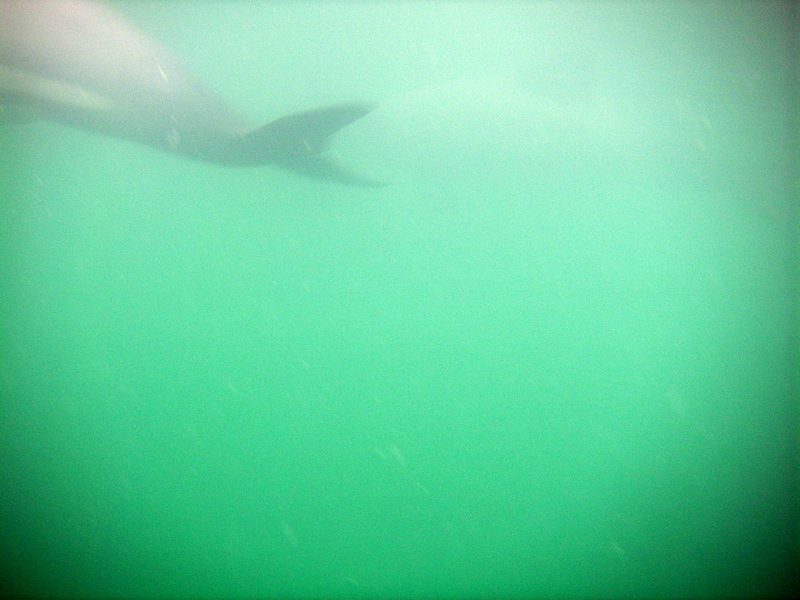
[296,143]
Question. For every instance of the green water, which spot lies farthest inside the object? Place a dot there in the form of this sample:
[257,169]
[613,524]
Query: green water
[525,368]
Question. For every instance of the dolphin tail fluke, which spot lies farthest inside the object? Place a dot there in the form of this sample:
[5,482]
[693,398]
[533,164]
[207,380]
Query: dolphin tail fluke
[296,142]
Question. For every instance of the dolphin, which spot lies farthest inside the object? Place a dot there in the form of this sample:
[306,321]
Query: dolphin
[79,63]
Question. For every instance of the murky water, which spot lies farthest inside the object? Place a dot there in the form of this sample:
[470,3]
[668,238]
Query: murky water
[552,357]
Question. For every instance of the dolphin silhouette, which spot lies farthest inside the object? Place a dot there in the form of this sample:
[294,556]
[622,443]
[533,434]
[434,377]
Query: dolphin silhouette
[79,63]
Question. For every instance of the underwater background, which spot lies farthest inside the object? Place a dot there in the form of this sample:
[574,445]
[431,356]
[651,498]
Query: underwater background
[554,356]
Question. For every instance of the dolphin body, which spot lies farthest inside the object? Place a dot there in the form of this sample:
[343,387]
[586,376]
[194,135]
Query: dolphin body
[78,62]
